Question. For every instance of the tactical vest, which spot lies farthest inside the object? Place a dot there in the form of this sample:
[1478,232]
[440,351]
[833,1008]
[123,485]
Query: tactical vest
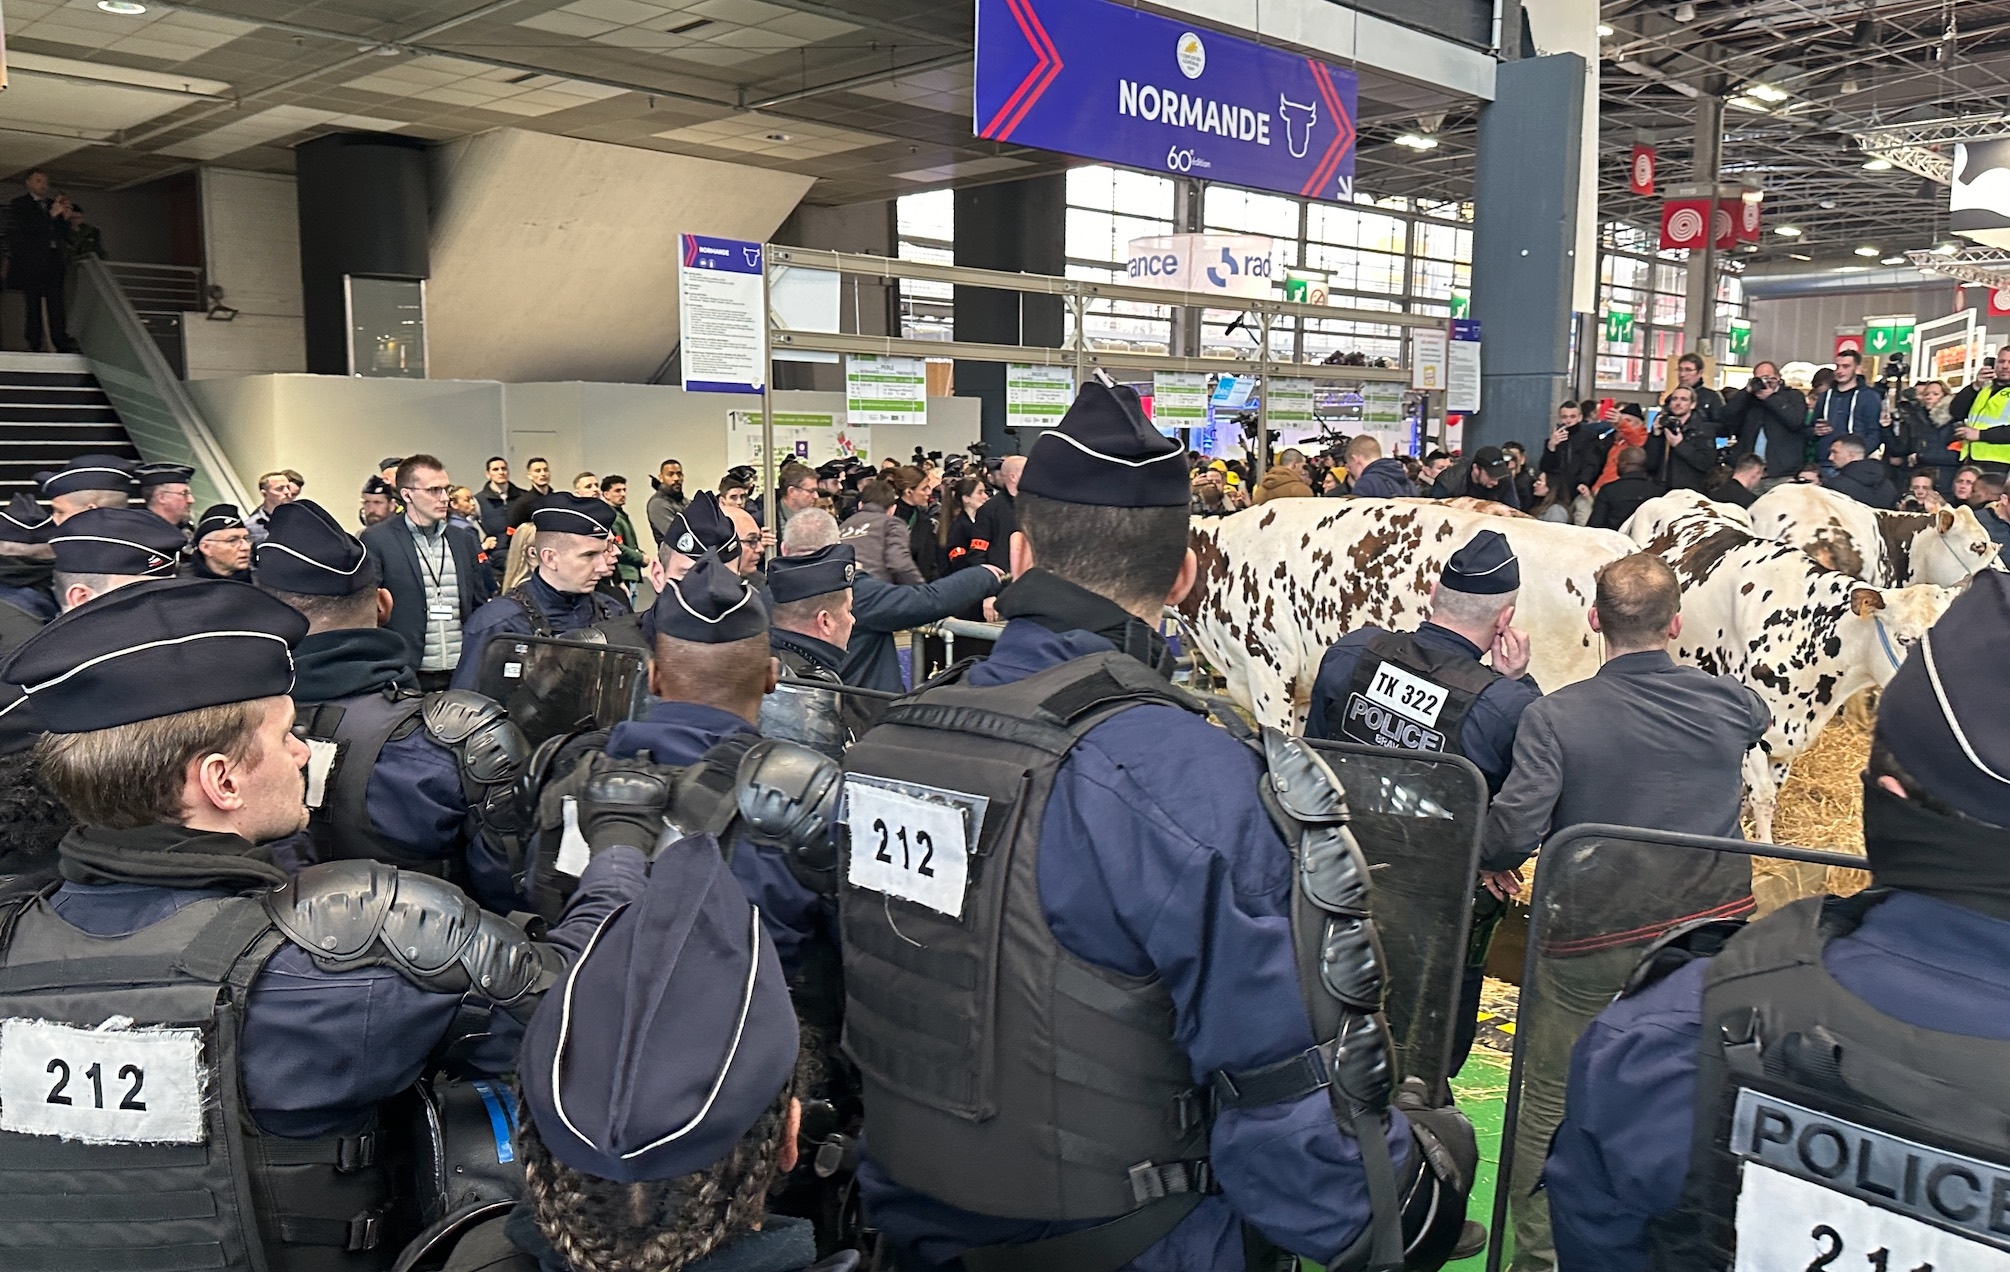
[1991,409]
[1803,1090]
[798,713]
[1407,695]
[130,1146]
[344,739]
[605,608]
[1003,1074]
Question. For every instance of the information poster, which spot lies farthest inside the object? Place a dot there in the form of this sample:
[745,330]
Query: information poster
[722,329]
[1427,359]
[885,390]
[1462,366]
[810,437]
[1288,402]
[1179,399]
[1037,396]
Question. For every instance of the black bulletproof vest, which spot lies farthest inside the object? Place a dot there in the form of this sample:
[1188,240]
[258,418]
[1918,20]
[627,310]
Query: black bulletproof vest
[213,1193]
[1389,708]
[1776,1024]
[605,609]
[1002,1074]
[357,728]
[813,717]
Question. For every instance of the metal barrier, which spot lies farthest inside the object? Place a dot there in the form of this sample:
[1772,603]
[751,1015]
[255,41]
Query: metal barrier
[159,289]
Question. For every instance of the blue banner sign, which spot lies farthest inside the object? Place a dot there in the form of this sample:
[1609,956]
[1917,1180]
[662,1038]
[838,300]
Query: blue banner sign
[1110,82]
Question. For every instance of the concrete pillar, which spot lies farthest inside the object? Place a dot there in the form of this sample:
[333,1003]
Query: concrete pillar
[1020,227]
[363,210]
[1524,245]
[1699,313]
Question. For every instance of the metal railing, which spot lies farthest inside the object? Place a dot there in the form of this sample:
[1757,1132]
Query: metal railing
[151,401]
[159,289]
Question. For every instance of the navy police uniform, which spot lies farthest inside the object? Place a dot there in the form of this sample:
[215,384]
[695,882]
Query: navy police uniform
[822,720]
[26,601]
[214,520]
[125,543]
[535,607]
[1135,907]
[436,771]
[1837,1055]
[300,1028]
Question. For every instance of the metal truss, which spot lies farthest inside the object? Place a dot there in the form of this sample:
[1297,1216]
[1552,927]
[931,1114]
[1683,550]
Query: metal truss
[1927,147]
[1982,266]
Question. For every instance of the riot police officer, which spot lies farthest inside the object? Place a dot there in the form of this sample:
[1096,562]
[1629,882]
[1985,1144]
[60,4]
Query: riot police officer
[811,623]
[1427,690]
[88,481]
[198,1046]
[100,549]
[699,529]
[26,562]
[30,820]
[575,550]
[1825,1086]
[220,546]
[425,782]
[1067,905]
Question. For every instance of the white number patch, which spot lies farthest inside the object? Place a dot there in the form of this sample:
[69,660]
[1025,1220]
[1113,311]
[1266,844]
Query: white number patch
[1407,695]
[321,758]
[909,846]
[1785,1222]
[101,1086]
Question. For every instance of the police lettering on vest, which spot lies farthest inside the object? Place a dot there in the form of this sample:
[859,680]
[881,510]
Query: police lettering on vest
[1408,696]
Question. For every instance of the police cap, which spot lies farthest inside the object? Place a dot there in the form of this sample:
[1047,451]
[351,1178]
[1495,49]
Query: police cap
[117,541]
[375,485]
[828,569]
[88,472]
[157,648]
[1106,452]
[1486,566]
[703,529]
[671,1035]
[710,605]
[563,512]
[25,521]
[152,475]
[307,551]
[218,517]
[1946,715]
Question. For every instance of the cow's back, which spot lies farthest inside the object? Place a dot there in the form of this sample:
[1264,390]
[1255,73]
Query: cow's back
[1837,531]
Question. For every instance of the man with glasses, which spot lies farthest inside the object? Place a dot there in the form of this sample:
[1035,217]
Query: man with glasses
[430,568]
[799,491]
[222,547]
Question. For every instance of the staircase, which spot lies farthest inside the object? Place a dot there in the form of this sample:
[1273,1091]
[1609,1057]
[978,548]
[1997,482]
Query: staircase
[51,410]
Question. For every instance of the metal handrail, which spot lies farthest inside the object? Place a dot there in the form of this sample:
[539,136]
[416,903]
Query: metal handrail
[141,281]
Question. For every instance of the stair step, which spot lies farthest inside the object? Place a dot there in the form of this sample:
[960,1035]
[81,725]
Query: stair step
[40,396]
[11,415]
[50,379]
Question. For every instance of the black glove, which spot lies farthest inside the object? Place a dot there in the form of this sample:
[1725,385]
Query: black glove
[1443,1133]
[623,803]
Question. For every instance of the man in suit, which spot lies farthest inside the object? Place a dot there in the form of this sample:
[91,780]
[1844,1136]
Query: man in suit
[38,234]
[430,568]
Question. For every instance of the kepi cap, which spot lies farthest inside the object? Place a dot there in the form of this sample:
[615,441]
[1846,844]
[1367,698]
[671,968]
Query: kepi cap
[307,551]
[704,529]
[88,472]
[164,475]
[25,521]
[562,512]
[218,517]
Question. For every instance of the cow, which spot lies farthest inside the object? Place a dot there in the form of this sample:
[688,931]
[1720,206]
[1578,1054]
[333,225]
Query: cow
[1805,637]
[1654,516]
[1278,584]
[1884,549]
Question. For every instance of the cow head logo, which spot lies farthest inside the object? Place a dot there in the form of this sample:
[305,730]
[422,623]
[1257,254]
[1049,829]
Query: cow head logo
[1298,117]
[1191,55]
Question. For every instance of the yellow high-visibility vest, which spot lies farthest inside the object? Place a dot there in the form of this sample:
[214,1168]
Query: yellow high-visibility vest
[1990,410]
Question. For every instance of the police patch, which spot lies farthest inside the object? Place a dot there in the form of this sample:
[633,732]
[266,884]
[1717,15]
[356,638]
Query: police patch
[115,1084]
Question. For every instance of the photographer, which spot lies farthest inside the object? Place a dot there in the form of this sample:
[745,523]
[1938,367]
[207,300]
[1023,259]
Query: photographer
[1926,441]
[1575,453]
[1769,419]
[1681,448]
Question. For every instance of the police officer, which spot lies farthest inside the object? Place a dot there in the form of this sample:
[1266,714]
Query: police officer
[100,549]
[1428,691]
[575,551]
[164,490]
[26,563]
[220,547]
[699,529]
[30,820]
[1838,1052]
[198,1045]
[811,624]
[88,481]
[659,1112]
[1066,906]
[425,782]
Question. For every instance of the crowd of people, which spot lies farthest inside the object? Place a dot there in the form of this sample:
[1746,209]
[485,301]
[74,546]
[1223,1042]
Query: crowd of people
[1028,965]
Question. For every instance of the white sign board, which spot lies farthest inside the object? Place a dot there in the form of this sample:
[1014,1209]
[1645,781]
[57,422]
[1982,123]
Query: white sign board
[1223,264]
[911,842]
[885,390]
[803,300]
[809,437]
[1179,399]
[1427,359]
[101,1086]
[1037,396]
[721,318]
[1462,376]
[1288,401]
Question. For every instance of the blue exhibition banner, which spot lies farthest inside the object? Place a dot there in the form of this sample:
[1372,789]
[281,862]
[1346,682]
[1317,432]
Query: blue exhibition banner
[1110,82]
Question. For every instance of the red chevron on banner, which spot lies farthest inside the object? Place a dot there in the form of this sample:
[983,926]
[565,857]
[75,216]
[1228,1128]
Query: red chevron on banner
[1045,71]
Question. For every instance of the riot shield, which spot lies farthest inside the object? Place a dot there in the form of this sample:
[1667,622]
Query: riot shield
[1417,816]
[1602,896]
[552,686]
[821,716]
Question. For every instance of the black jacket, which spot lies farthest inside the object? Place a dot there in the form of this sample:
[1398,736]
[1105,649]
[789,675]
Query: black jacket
[495,509]
[1384,479]
[1865,480]
[1710,405]
[1925,439]
[1730,492]
[391,547]
[1620,498]
[1687,465]
[1578,460]
[35,241]
[1783,414]
[1457,481]
[996,522]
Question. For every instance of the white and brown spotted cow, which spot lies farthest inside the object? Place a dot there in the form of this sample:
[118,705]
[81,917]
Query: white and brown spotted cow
[1884,549]
[1805,637]
[1655,516]
[1280,583]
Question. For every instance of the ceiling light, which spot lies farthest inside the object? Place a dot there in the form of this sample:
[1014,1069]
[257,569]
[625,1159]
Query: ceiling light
[124,8]
[1868,251]
[1799,256]
[1947,249]
[1828,205]
[776,136]
[1787,231]
[1892,260]
[1768,92]
[1604,31]
[1418,141]
[1877,165]
[1752,104]
[1685,12]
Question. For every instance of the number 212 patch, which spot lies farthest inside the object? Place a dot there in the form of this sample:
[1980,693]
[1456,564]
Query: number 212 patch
[101,1086]
[909,846]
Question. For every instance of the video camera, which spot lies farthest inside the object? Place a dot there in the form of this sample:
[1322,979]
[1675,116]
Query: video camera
[1895,369]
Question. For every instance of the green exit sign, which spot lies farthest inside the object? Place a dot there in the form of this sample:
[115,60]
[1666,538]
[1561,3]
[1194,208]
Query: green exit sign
[1883,337]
